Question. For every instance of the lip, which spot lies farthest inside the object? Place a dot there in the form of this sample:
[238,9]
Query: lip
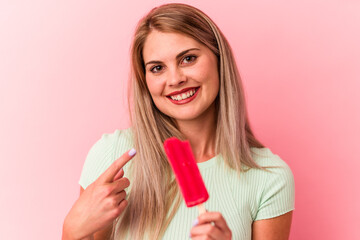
[182,91]
[187,100]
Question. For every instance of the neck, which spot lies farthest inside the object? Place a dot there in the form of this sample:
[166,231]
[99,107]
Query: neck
[201,133]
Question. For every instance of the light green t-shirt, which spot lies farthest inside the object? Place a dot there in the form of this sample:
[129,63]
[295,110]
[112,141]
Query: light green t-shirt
[255,195]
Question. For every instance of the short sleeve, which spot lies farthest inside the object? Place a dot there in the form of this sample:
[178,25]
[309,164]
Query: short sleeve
[278,196]
[103,153]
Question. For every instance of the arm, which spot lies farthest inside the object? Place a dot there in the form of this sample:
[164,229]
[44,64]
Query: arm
[99,204]
[277,228]
[277,197]
[103,234]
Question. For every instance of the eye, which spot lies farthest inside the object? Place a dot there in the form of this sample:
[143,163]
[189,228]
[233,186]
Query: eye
[189,59]
[156,69]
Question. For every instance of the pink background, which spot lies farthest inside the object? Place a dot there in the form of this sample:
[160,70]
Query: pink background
[63,72]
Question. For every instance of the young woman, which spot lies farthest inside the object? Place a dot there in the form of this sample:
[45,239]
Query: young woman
[186,84]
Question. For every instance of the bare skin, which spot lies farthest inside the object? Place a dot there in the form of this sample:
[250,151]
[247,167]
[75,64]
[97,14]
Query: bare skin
[277,228]
[104,233]
[212,225]
[176,64]
[167,73]
[201,136]
[99,204]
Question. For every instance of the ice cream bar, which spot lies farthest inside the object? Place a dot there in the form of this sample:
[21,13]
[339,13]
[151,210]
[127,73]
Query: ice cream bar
[186,171]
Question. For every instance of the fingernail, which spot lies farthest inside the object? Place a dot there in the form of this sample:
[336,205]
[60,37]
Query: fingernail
[132,152]
[195,222]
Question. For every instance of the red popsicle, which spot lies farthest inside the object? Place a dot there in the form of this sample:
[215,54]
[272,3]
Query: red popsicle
[186,172]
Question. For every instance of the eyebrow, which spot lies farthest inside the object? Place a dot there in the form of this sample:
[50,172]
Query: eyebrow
[177,56]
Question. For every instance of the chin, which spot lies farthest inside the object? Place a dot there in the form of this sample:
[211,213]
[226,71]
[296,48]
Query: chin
[184,117]
[187,114]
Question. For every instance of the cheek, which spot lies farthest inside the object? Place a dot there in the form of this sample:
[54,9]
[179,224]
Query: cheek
[155,87]
[208,70]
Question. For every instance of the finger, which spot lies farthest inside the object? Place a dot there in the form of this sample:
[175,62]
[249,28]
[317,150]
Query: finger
[120,185]
[208,230]
[119,175]
[120,197]
[216,218]
[122,206]
[200,238]
[119,209]
[115,167]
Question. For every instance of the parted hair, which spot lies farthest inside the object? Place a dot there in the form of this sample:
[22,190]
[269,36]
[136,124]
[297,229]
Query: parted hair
[154,196]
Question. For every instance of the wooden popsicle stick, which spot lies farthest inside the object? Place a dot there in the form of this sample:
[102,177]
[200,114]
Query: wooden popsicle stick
[201,208]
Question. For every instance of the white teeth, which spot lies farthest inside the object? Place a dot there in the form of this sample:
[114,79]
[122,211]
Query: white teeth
[183,95]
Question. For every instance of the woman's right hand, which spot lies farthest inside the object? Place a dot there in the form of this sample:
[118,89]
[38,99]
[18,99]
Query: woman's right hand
[100,203]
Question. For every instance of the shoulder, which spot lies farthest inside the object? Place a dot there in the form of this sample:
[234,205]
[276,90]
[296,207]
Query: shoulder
[265,157]
[277,191]
[111,144]
[103,152]
[275,168]
[118,136]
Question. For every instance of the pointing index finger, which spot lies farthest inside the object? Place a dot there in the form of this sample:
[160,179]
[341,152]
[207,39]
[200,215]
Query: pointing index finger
[115,167]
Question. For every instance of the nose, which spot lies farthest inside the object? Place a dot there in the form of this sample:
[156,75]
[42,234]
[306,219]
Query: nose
[176,77]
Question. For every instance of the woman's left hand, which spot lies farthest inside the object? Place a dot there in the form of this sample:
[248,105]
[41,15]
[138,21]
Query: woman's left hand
[210,225]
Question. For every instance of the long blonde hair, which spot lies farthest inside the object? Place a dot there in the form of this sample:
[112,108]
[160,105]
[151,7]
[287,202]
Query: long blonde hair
[154,196]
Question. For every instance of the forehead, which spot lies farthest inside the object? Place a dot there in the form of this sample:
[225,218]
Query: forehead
[161,45]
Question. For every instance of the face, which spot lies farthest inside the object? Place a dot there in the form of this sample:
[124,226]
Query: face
[181,75]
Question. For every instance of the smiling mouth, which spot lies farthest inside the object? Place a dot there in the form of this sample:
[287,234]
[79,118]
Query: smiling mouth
[184,95]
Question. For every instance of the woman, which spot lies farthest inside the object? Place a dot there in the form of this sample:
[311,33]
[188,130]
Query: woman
[185,84]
